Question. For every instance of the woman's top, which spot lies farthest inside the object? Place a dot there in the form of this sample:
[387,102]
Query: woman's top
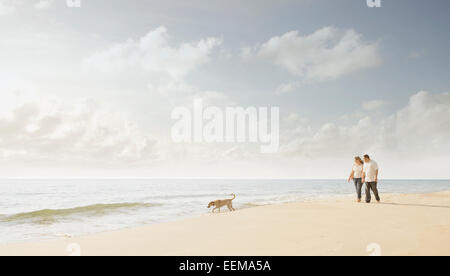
[358,169]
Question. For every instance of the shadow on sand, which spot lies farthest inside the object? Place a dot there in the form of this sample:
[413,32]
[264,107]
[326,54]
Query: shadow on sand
[415,205]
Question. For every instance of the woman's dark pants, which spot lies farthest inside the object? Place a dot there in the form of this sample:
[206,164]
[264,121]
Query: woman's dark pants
[358,186]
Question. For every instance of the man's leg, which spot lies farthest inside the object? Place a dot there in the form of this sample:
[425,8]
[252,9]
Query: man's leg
[368,197]
[374,188]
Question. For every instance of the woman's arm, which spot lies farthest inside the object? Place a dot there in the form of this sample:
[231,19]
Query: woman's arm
[352,174]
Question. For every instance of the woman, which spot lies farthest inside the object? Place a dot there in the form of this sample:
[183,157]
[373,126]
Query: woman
[356,175]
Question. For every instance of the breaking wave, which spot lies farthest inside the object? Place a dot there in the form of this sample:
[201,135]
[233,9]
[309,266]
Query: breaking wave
[49,216]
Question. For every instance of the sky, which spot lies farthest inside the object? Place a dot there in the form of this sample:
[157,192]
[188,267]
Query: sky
[88,91]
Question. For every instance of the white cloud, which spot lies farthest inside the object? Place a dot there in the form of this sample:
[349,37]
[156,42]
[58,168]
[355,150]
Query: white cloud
[287,87]
[7,7]
[246,52]
[72,133]
[160,65]
[82,131]
[373,105]
[11,6]
[414,142]
[86,132]
[44,4]
[419,131]
[422,128]
[154,54]
[326,54]
[294,119]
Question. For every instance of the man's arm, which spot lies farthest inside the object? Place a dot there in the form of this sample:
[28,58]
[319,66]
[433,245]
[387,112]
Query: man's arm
[376,172]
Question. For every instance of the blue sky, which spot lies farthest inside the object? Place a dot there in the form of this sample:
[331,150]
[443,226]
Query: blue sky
[413,40]
[370,83]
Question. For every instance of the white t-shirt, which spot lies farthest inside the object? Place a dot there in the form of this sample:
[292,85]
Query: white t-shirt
[370,169]
[358,170]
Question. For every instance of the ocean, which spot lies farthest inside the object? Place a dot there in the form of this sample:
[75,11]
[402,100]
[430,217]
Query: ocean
[54,208]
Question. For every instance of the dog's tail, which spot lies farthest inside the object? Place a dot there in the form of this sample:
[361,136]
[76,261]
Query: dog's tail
[234,196]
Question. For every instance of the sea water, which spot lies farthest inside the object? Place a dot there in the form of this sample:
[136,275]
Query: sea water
[53,208]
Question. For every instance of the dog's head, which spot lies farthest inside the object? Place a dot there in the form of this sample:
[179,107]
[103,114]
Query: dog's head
[212,203]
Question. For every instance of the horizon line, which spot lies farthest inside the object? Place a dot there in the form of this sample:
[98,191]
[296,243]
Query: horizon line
[199,178]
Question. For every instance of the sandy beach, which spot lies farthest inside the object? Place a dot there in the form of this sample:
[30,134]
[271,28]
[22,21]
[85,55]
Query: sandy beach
[414,224]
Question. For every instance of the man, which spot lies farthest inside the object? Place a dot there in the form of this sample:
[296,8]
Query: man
[370,177]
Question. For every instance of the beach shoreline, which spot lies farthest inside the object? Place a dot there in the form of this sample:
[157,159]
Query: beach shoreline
[403,224]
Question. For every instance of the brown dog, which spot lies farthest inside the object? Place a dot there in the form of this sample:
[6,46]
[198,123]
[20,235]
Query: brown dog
[220,203]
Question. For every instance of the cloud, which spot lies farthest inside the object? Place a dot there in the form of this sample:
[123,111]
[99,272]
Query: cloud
[153,53]
[10,6]
[246,53]
[287,87]
[7,7]
[419,131]
[87,132]
[327,54]
[160,64]
[373,105]
[82,131]
[44,4]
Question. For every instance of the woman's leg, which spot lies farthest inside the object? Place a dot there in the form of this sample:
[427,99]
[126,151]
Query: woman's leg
[358,187]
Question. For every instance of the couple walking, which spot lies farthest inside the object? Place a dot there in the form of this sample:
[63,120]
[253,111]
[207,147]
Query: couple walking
[365,172]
